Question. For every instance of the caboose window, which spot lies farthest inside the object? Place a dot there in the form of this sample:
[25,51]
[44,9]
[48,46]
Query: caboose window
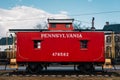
[53,25]
[84,44]
[67,25]
[37,44]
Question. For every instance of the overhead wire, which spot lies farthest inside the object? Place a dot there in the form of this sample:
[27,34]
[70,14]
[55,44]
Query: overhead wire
[95,13]
[84,14]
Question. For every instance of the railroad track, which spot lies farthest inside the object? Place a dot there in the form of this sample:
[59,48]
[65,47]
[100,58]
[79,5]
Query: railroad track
[64,73]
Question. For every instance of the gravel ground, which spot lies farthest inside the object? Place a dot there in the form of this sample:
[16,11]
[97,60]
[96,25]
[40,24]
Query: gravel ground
[59,78]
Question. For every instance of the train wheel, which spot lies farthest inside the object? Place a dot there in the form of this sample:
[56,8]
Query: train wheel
[81,68]
[34,68]
[90,67]
[86,68]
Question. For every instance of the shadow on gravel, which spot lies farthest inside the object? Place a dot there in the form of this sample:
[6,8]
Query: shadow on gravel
[115,74]
[62,73]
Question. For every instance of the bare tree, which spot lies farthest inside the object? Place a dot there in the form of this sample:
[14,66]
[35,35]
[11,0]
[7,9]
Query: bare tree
[80,26]
[77,25]
[41,26]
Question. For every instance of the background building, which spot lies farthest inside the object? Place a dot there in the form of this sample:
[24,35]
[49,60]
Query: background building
[6,43]
[116,29]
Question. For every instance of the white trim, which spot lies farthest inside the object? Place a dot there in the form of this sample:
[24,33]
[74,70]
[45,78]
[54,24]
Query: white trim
[60,21]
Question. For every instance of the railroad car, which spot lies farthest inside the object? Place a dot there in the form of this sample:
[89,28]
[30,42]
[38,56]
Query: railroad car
[60,44]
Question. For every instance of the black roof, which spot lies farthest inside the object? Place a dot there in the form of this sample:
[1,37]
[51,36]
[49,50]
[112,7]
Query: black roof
[27,30]
[40,30]
[113,27]
[4,42]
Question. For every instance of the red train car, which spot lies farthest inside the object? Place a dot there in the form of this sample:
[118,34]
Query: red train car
[38,49]
[60,47]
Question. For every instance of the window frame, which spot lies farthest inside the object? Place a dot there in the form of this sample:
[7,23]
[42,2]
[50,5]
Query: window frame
[35,44]
[84,44]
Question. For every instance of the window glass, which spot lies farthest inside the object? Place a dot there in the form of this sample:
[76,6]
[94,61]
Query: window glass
[67,25]
[84,44]
[108,51]
[53,25]
[108,48]
[108,39]
[117,38]
[37,44]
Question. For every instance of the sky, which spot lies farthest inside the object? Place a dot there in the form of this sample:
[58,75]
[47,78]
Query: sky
[29,13]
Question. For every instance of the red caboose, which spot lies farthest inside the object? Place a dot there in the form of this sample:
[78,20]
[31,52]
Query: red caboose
[59,44]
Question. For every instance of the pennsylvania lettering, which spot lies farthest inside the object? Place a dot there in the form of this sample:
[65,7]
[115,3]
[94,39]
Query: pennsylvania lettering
[62,35]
